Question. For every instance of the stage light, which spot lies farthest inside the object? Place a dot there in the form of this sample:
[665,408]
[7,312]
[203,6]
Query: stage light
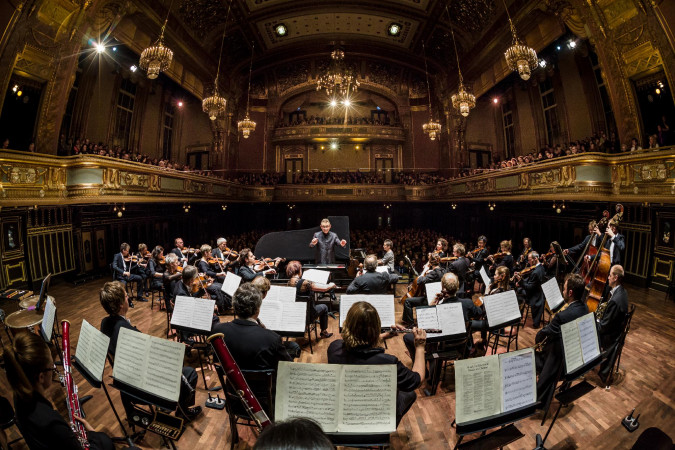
[346,102]
[542,63]
[558,47]
[333,145]
[133,68]
[180,104]
[333,103]
[114,49]
[572,44]
[15,88]
[100,48]
[495,100]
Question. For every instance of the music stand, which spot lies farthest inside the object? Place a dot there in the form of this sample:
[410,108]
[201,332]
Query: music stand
[200,349]
[43,291]
[507,433]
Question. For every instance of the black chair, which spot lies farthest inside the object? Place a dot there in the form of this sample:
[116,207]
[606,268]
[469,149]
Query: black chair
[613,354]
[310,324]
[7,419]
[159,291]
[653,439]
[439,354]
[261,383]
[508,332]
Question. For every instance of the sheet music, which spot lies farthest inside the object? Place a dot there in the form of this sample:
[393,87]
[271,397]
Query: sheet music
[588,334]
[316,276]
[284,294]
[552,293]
[486,279]
[477,387]
[283,316]
[92,349]
[191,312]
[571,345]
[427,318]
[368,400]
[297,388]
[451,318]
[231,283]
[383,269]
[519,380]
[151,364]
[47,324]
[501,308]
[384,304]
[432,289]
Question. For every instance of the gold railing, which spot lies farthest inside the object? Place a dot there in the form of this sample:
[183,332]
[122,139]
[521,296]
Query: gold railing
[380,132]
[34,179]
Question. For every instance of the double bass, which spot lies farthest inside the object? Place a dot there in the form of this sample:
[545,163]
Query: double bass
[599,265]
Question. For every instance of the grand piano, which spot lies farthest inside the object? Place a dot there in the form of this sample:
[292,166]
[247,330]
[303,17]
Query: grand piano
[294,245]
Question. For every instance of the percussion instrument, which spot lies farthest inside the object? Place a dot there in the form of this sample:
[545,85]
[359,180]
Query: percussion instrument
[24,319]
[31,302]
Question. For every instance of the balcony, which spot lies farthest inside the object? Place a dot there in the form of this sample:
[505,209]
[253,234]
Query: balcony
[356,133]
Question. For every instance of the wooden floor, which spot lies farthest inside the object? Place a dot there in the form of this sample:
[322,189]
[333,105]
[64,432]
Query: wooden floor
[646,382]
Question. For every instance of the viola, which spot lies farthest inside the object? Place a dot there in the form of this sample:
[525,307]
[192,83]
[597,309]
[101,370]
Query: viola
[214,261]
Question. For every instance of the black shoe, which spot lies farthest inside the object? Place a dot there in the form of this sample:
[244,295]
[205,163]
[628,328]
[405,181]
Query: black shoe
[141,299]
[325,334]
[190,414]
[131,304]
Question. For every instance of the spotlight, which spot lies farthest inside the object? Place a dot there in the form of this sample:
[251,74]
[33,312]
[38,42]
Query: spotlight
[333,103]
[180,104]
[114,49]
[15,88]
[133,68]
[658,91]
[495,100]
[572,44]
[333,145]
[542,63]
[100,48]
[394,29]
[281,30]
[660,83]
[346,102]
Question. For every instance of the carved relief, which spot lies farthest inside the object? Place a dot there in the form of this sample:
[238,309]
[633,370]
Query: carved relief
[111,178]
[487,185]
[56,178]
[653,172]
[620,175]
[562,177]
[154,183]
[135,179]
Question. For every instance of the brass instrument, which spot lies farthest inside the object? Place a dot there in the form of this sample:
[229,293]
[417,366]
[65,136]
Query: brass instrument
[540,346]
[600,310]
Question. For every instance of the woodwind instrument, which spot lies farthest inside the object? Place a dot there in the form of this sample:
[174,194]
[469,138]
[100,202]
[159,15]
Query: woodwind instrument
[410,330]
[72,399]
[236,378]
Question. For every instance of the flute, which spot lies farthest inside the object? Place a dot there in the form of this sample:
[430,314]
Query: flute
[410,330]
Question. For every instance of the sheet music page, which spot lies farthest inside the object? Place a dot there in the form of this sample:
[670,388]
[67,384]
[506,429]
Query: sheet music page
[384,269]
[148,363]
[271,314]
[571,346]
[588,335]
[294,316]
[519,379]
[316,276]
[346,302]
[501,308]
[308,390]
[284,294]
[478,388]
[486,279]
[231,283]
[195,313]
[368,400]
[451,318]
[427,318]
[47,324]
[552,293]
[384,304]
[92,349]
[432,289]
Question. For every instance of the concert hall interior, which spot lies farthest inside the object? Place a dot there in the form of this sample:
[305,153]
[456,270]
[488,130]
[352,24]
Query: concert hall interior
[522,150]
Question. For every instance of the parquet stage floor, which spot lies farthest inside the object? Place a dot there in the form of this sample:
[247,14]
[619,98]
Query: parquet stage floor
[646,381]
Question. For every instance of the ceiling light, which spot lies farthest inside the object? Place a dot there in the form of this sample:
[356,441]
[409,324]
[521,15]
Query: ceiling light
[19,93]
[247,126]
[495,100]
[333,145]
[157,58]
[346,102]
[114,49]
[431,128]
[338,79]
[572,44]
[133,68]
[333,103]
[180,104]
[557,47]
[542,63]
[658,91]
[100,48]
[394,29]
[281,30]
[15,88]
[520,57]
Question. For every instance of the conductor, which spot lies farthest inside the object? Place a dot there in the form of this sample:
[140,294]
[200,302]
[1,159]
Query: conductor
[325,242]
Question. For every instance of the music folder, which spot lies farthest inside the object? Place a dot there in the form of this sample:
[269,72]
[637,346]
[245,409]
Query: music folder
[47,325]
[580,342]
[192,314]
[91,351]
[447,317]
[384,304]
[285,318]
[554,298]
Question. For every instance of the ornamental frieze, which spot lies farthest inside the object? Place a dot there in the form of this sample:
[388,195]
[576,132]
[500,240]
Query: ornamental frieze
[561,177]
[487,185]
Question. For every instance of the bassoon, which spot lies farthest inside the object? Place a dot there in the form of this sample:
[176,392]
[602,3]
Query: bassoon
[236,378]
[72,399]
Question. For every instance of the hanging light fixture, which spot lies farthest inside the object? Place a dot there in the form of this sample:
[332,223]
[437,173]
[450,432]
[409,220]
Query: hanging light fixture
[432,128]
[338,79]
[215,104]
[157,58]
[247,126]
[519,56]
[463,100]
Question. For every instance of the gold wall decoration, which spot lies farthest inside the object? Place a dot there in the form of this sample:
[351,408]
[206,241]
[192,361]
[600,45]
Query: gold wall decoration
[154,183]
[15,272]
[621,175]
[486,185]
[641,58]
[561,177]
[111,178]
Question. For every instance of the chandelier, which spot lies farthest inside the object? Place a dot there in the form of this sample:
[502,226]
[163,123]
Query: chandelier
[247,126]
[338,79]
[215,104]
[519,56]
[463,101]
[432,128]
[157,58]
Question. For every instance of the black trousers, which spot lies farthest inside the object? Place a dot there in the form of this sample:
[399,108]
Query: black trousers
[408,306]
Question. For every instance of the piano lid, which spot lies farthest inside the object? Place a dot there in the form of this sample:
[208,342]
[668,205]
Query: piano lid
[294,244]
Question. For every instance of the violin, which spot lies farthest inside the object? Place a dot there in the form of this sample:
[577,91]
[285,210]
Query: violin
[186,250]
[264,263]
[214,261]
[523,272]
[231,253]
[545,257]
[500,255]
[447,259]
[132,258]
[162,261]
[472,252]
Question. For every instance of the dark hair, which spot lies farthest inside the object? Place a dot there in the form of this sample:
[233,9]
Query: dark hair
[156,251]
[293,268]
[576,284]
[293,434]
[243,254]
[361,326]
[246,300]
[25,359]
[112,297]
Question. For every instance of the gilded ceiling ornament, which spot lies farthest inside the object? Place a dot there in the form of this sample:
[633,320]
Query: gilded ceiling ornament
[157,58]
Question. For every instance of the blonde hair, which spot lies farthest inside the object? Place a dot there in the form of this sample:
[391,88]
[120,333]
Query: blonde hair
[505,244]
[205,248]
[450,284]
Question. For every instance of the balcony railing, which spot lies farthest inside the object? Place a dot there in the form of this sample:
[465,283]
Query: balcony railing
[30,179]
[302,132]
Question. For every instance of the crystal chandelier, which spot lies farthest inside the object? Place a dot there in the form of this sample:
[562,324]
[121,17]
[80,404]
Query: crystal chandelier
[338,79]
[463,101]
[157,58]
[519,56]
[432,128]
[247,126]
[215,104]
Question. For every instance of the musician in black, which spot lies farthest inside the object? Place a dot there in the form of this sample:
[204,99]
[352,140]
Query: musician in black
[325,242]
[156,268]
[460,267]
[580,247]
[170,277]
[140,268]
[613,320]
[522,259]
[388,257]
[505,258]
[549,359]
[432,273]
[478,258]
[441,248]
[122,266]
[372,282]
[531,283]
[221,251]
[215,288]
[294,273]
[248,270]
[30,370]
[114,298]
[178,249]
[615,242]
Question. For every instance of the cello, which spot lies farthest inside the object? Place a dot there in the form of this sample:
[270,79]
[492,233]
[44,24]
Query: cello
[599,266]
[413,288]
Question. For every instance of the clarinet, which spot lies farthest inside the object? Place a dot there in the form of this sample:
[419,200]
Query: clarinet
[72,399]
[236,378]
